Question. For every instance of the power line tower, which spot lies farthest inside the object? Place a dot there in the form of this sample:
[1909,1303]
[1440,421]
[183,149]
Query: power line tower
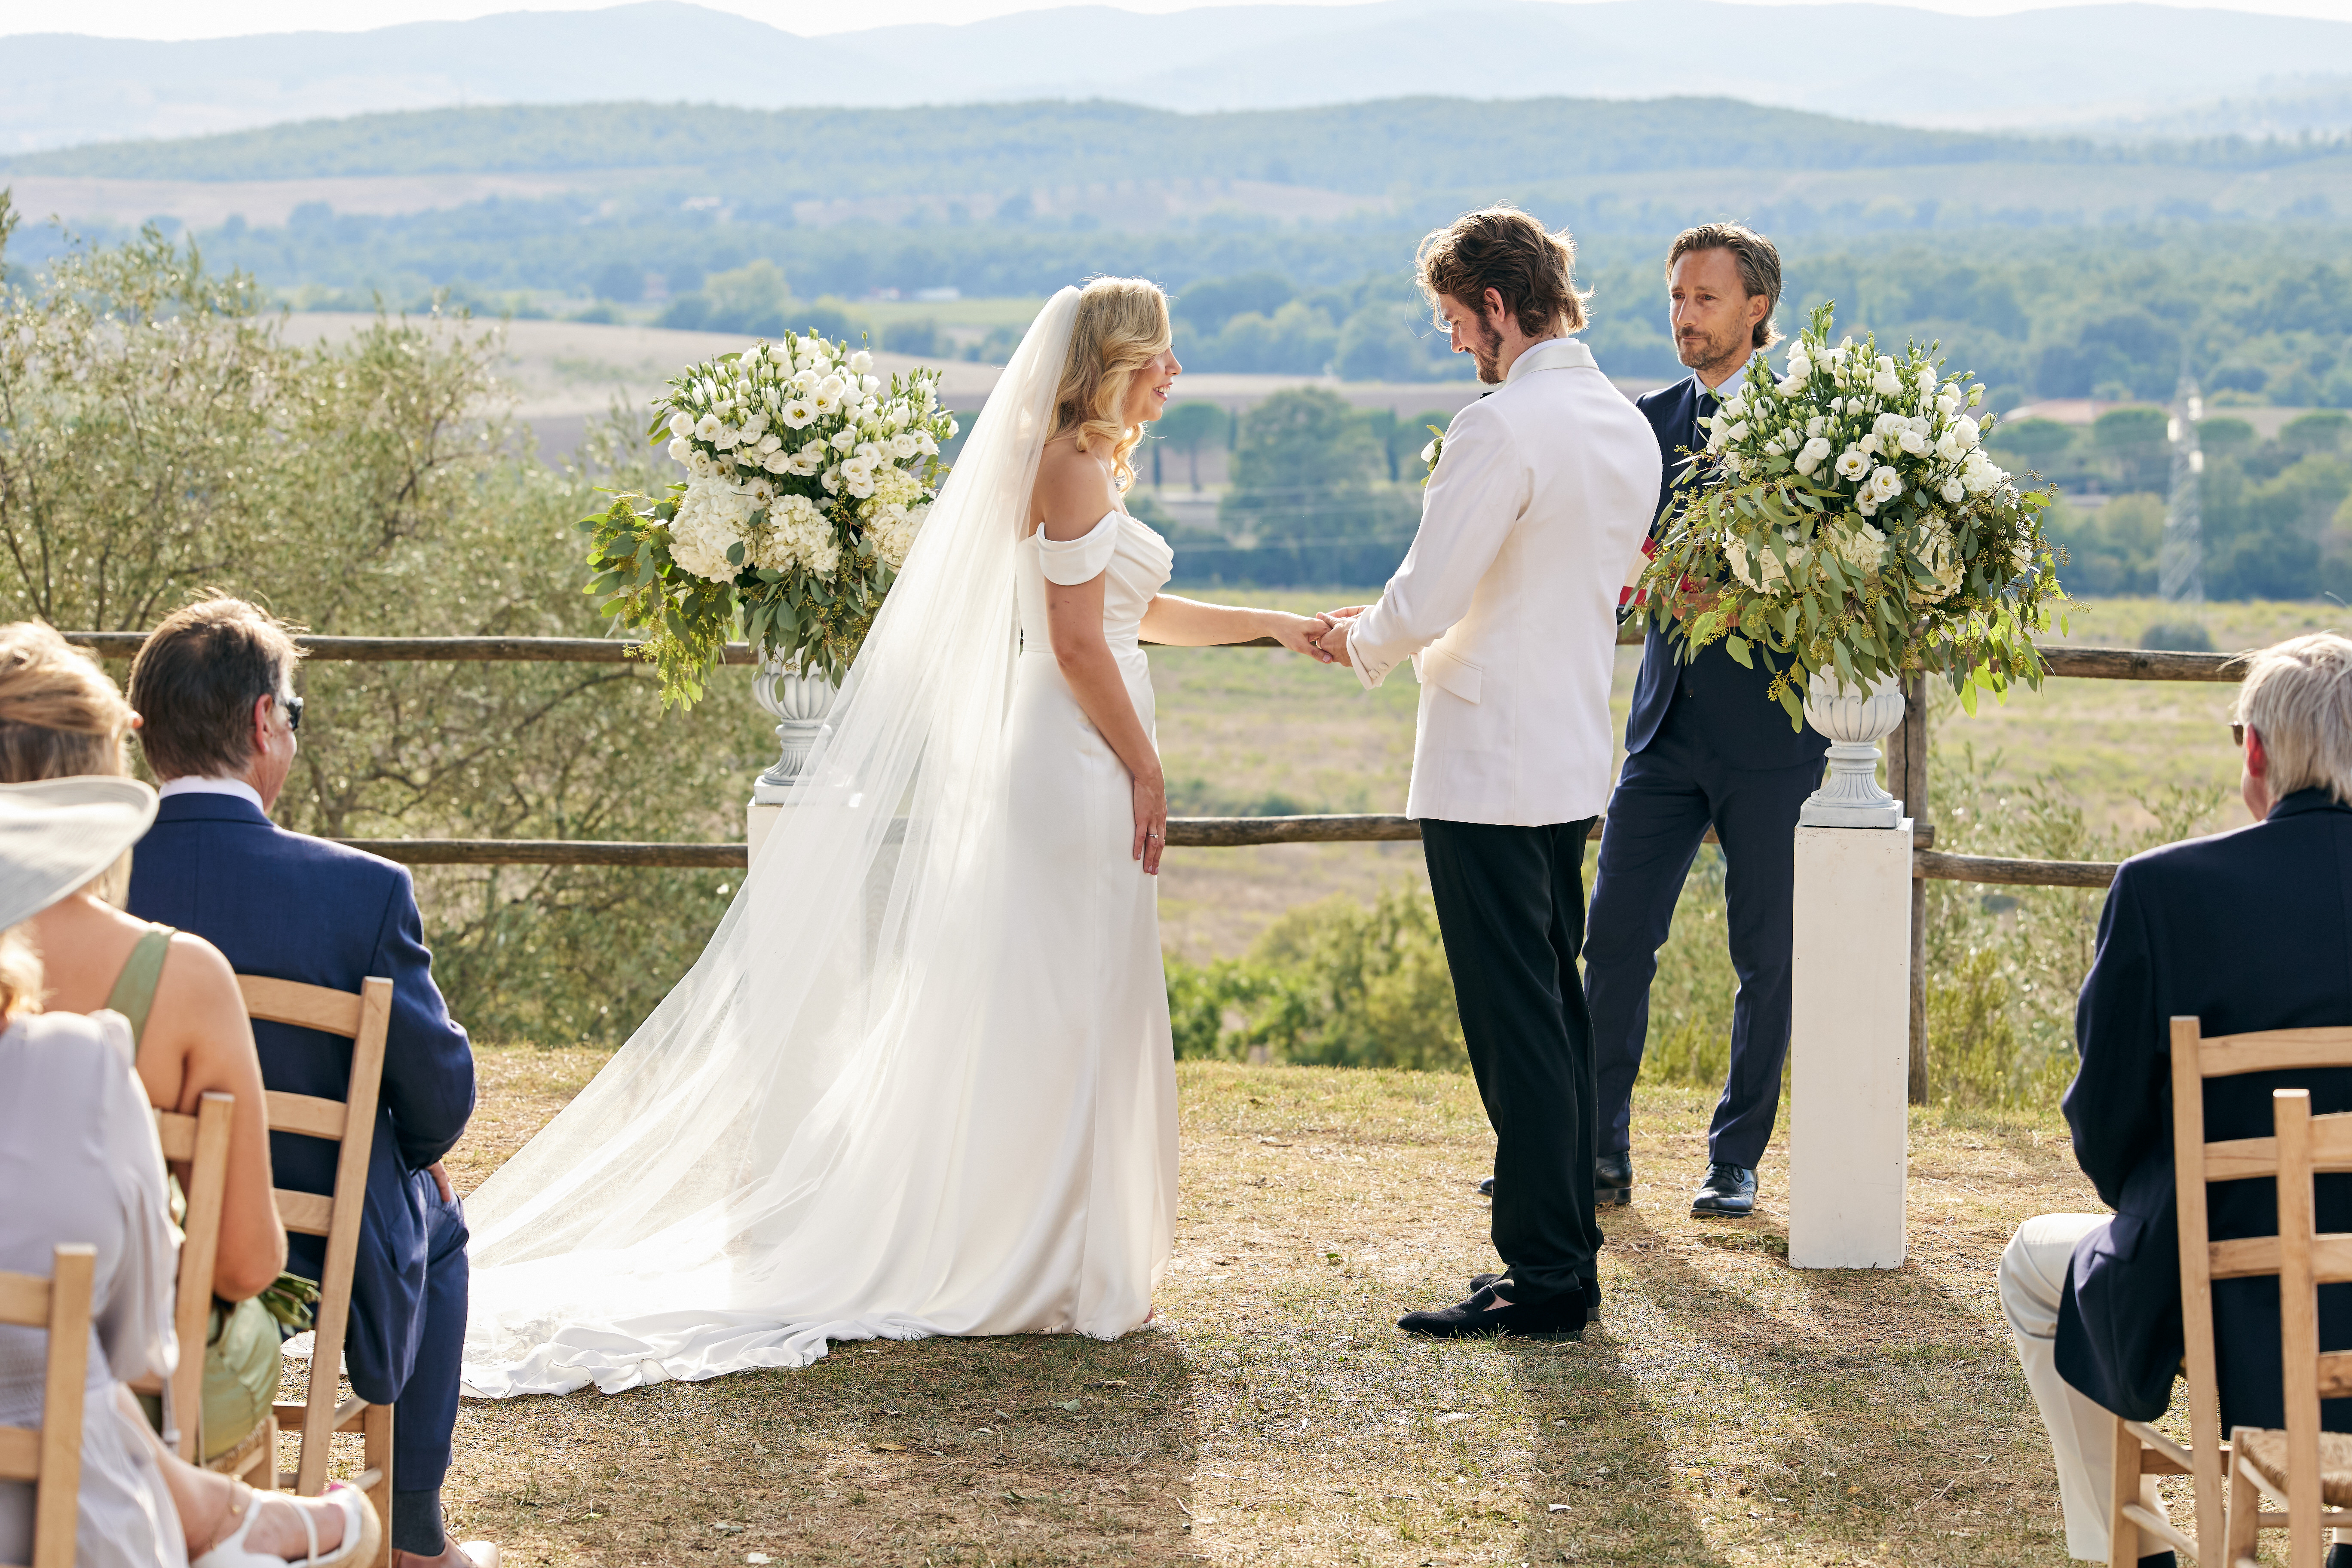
[2180,567]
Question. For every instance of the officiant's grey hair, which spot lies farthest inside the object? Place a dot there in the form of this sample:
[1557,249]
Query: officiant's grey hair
[195,681]
[2297,696]
[1504,249]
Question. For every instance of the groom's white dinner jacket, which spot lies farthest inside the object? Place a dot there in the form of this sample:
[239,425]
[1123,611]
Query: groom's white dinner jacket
[1507,603]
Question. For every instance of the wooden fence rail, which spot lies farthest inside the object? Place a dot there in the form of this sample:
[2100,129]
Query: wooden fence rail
[2081,663]
[1183,833]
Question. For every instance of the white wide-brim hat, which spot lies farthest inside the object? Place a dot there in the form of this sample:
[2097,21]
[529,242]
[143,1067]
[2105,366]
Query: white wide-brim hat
[58,835]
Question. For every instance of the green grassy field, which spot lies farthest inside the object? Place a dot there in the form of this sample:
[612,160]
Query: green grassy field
[1245,729]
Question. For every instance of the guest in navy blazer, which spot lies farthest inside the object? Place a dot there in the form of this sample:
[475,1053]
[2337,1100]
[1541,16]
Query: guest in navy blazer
[213,685]
[1705,747]
[2244,931]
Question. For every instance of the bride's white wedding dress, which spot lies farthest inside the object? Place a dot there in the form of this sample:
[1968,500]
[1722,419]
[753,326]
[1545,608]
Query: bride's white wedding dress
[920,1082]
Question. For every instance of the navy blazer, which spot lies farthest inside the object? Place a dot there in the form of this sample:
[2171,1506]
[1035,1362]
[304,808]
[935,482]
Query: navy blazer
[1726,696]
[293,907]
[2246,931]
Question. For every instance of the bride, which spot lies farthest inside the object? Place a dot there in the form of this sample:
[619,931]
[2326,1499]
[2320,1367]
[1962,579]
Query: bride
[920,1082]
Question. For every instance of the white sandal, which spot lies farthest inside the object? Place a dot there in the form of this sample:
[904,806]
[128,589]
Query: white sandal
[362,1533]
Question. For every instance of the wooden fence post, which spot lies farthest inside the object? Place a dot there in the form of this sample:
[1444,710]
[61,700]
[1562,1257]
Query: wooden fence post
[1906,779]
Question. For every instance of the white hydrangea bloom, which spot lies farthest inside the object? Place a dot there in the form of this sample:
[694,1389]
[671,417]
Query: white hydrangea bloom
[713,516]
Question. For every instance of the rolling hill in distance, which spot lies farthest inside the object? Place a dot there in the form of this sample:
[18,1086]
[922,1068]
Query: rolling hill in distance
[1620,165]
[2110,66]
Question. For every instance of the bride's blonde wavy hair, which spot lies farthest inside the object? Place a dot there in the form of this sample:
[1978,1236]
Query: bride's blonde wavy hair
[1122,326]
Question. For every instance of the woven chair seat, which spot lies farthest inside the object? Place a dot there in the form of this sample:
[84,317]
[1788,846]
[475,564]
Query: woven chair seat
[2266,1451]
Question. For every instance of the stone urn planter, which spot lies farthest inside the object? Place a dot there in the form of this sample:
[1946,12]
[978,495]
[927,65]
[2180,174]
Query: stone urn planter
[799,702]
[1855,721]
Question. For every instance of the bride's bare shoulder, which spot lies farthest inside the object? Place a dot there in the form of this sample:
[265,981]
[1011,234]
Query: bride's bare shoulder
[1074,490]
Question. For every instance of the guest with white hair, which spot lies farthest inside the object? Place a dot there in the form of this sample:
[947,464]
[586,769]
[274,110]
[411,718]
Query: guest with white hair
[2246,931]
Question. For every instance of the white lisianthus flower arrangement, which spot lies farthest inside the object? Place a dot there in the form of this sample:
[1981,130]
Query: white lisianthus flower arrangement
[808,479]
[1844,520]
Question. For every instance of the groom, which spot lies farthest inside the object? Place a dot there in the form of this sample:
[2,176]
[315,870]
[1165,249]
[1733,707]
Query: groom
[1507,605]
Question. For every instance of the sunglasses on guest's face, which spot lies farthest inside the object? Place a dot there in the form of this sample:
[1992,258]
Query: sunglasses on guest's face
[2238,736]
[292,707]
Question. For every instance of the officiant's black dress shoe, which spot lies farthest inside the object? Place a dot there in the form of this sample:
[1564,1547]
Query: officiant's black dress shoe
[1613,1179]
[1591,1295]
[1729,1193]
[1563,1318]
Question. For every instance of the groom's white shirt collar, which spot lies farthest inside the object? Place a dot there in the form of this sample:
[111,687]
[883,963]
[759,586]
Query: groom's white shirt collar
[1552,353]
[193,784]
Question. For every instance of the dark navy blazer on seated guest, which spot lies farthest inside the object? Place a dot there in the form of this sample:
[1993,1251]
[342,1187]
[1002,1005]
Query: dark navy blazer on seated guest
[1725,696]
[2246,931]
[293,907]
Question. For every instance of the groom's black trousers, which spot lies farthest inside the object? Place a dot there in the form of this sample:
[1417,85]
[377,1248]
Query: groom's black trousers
[1510,905]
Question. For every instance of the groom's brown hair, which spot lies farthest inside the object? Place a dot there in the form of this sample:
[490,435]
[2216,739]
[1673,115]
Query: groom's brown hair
[1504,249]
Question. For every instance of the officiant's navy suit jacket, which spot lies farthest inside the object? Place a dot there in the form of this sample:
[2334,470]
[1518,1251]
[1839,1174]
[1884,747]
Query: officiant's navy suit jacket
[291,907]
[2246,931]
[1725,696]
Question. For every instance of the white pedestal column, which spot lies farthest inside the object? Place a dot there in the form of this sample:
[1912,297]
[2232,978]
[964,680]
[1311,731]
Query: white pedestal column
[1849,1047]
[759,821]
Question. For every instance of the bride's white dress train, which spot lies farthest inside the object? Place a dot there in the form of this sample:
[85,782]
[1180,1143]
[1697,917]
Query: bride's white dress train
[921,1080]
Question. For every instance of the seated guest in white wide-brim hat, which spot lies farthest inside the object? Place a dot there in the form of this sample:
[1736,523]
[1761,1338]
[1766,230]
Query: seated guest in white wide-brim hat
[80,1163]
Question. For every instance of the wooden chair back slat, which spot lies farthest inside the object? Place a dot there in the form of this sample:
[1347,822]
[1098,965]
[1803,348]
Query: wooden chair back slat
[306,1007]
[307,1213]
[2273,1051]
[2256,1159]
[365,1018]
[308,1114]
[23,1301]
[2248,1256]
[2196,1274]
[50,1457]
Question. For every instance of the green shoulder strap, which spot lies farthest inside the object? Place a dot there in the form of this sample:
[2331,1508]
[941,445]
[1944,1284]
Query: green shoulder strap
[134,988]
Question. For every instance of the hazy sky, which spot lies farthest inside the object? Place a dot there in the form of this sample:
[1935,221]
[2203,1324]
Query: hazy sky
[216,18]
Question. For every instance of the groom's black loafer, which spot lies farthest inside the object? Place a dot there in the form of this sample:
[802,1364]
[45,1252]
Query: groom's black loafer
[1486,1187]
[1478,1318]
[1729,1193]
[1591,1294]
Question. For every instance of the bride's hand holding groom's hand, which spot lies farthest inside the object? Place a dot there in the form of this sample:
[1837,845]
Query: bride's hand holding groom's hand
[1333,644]
[1299,634]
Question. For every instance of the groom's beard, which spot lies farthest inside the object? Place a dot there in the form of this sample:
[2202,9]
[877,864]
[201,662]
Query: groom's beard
[1487,353]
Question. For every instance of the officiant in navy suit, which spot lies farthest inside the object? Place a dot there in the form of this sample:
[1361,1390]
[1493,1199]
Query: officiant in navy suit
[1705,747]
[215,688]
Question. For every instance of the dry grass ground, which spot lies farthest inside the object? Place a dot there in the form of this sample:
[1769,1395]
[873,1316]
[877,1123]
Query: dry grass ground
[1727,1410]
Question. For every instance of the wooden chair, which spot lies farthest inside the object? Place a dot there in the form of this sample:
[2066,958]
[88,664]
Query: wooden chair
[50,1455]
[2140,1449]
[2305,1471]
[365,1019]
[200,1142]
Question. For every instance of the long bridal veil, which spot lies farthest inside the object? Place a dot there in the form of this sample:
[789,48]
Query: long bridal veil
[683,1216]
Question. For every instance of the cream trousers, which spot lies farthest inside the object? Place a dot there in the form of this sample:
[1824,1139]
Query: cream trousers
[2082,1435]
